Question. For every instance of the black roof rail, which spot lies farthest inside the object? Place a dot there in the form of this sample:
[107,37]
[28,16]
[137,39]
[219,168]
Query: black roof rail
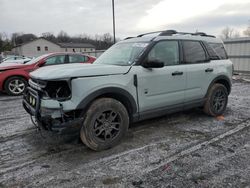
[149,33]
[173,32]
[203,34]
[128,38]
[168,33]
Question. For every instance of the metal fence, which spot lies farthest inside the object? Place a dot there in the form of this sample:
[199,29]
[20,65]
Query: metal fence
[239,52]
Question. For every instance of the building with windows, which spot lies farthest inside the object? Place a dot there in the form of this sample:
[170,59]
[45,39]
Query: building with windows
[238,50]
[42,46]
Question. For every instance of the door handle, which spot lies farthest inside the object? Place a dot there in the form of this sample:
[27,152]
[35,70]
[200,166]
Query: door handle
[177,73]
[209,70]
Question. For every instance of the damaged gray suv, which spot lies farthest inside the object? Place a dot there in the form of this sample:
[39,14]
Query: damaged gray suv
[138,78]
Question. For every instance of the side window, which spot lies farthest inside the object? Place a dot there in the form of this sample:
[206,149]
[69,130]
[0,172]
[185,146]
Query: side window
[165,51]
[46,48]
[55,60]
[212,54]
[38,48]
[219,49]
[193,52]
[77,59]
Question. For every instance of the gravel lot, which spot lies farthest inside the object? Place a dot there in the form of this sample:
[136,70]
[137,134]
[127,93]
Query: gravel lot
[187,149]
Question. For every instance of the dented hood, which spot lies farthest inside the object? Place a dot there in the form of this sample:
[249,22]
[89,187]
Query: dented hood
[77,70]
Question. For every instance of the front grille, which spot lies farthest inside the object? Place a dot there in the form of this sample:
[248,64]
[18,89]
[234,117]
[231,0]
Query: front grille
[37,84]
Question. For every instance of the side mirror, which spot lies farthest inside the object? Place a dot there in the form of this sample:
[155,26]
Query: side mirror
[153,64]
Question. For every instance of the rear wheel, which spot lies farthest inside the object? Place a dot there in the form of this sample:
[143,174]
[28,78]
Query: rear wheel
[105,124]
[15,85]
[216,102]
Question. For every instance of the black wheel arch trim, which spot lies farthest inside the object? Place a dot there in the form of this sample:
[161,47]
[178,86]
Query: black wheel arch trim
[218,78]
[115,91]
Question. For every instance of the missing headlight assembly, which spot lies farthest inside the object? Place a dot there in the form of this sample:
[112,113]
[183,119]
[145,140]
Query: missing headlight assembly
[59,90]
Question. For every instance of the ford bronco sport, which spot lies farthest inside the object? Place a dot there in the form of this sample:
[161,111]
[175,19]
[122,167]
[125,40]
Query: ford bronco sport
[138,78]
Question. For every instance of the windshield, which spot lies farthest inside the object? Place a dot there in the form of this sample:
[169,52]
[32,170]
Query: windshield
[35,60]
[123,54]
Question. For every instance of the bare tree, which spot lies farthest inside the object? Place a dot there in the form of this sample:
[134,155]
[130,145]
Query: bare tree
[63,37]
[49,36]
[247,32]
[5,43]
[228,33]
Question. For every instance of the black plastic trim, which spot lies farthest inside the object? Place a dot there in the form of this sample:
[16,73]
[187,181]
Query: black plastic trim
[171,109]
[221,77]
[109,90]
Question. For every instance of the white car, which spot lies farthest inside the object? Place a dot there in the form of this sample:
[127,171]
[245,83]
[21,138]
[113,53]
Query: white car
[16,59]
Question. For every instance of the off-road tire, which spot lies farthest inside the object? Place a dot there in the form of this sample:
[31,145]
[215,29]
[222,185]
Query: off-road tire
[12,79]
[98,118]
[212,96]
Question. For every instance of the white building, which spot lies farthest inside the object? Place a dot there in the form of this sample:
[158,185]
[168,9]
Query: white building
[42,46]
[238,51]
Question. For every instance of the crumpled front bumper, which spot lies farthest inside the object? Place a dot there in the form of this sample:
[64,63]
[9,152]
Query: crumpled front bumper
[51,119]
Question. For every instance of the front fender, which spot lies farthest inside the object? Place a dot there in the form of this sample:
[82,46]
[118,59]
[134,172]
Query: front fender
[109,90]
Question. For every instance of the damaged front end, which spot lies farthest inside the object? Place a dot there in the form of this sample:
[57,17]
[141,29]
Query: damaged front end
[49,102]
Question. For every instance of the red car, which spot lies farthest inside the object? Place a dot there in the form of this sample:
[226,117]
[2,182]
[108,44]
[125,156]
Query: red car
[14,77]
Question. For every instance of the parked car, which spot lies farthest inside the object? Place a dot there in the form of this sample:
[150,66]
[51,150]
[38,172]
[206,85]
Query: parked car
[136,79]
[16,59]
[14,77]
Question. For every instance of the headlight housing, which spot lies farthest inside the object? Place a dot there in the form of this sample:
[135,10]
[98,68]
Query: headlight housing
[53,89]
[59,90]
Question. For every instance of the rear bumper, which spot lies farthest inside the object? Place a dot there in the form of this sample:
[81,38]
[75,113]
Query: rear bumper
[45,118]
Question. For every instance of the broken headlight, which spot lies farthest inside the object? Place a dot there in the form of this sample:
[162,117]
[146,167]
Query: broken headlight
[59,90]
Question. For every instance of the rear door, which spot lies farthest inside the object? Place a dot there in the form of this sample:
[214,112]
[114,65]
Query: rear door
[164,87]
[199,70]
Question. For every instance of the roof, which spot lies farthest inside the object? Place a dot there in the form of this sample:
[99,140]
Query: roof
[63,45]
[76,45]
[33,41]
[177,37]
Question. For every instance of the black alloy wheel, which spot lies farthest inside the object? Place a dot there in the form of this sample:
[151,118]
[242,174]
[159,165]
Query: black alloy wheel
[216,100]
[105,124]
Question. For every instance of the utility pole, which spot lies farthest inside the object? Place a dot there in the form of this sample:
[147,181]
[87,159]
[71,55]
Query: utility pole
[113,10]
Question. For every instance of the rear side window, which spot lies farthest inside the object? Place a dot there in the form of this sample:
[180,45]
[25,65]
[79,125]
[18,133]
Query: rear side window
[219,50]
[77,59]
[193,52]
[211,52]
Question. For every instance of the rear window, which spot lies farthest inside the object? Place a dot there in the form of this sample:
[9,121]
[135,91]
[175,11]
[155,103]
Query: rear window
[219,50]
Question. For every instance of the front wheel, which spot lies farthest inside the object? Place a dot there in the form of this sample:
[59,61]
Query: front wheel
[15,85]
[105,123]
[216,101]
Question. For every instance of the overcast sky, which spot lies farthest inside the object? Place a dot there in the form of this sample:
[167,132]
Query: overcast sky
[132,16]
